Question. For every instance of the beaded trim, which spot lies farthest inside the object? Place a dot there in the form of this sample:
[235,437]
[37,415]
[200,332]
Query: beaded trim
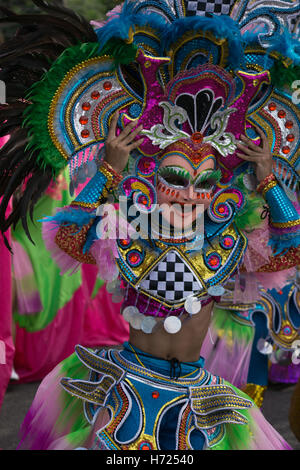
[71,240]
[291,223]
[269,186]
[265,182]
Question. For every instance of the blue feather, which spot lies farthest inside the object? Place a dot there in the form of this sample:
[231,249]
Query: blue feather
[284,42]
[223,27]
[281,244]
[70,216]
[119,27]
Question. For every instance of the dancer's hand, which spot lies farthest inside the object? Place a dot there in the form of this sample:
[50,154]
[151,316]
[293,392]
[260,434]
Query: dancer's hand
[260,155]
[118,148]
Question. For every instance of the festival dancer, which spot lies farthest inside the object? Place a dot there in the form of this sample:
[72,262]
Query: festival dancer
[178,141]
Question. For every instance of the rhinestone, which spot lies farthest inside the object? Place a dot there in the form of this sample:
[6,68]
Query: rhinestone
[107,86]
[281,113]
[155,394]
[86,106]
[85,133]
[197,137]
[286,150]
[272,106]
[290,137]
[133,257]
[289,124]
[95,95]
[83,120]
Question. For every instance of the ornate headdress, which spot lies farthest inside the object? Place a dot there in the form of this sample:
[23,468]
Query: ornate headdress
[185,74]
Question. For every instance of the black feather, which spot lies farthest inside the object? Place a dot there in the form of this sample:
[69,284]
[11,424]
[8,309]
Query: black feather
[39,40]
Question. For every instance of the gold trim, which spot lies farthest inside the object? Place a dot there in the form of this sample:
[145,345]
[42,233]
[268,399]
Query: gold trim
[291,223]
[269,186]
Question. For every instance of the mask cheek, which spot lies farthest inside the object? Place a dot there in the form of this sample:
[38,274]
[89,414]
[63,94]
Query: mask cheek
[204,198]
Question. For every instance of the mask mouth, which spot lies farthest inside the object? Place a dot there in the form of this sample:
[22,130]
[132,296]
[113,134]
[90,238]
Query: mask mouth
[184,209]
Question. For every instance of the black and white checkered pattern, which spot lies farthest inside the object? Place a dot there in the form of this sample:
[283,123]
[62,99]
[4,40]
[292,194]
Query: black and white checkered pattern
[171,279]
[202,7]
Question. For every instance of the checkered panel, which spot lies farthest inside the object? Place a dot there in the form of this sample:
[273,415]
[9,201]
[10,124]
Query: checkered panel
[202,7]
[171,279]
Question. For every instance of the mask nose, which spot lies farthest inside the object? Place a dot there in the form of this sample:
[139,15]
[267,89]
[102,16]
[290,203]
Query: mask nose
[191,193]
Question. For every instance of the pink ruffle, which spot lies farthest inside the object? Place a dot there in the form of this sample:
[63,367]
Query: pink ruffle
[276,280]
[105,252]
[258,251]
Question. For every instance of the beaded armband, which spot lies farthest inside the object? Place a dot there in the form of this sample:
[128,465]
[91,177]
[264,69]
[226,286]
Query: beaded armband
[266,184]
[71,240]
[284,218]
[97,190]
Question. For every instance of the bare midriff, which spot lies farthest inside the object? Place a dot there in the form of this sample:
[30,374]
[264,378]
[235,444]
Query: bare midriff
[185,345]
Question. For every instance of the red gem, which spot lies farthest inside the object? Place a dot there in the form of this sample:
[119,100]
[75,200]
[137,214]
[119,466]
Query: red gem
[83,120]
[213,261]
[272,106]
[280,292]
[124,242]
[85,134]
[107,86]
[290,138]
[155,395]
[286,150]
[133,258]
[221,209]
[95,95]
[281,113]
[86,106]
[143,200]
[289,124]
[167,192]
[197,137]
[145,447]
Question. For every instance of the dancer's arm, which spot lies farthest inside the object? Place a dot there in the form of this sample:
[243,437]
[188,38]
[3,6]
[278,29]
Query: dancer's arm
[284,220]
[75,222]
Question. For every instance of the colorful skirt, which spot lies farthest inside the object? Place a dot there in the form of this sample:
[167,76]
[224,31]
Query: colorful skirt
[128,400]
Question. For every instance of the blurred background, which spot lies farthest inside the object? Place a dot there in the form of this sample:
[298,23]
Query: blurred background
[90,9]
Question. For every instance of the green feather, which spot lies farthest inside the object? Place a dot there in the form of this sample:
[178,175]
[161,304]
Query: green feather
[249,217]
[282,76]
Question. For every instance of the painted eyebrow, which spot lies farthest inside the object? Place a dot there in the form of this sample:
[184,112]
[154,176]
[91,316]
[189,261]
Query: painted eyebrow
[176,170]
[209,174]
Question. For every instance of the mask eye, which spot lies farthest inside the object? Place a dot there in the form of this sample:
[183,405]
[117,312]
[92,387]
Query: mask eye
[207,185]
[207,180]
[174,177]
